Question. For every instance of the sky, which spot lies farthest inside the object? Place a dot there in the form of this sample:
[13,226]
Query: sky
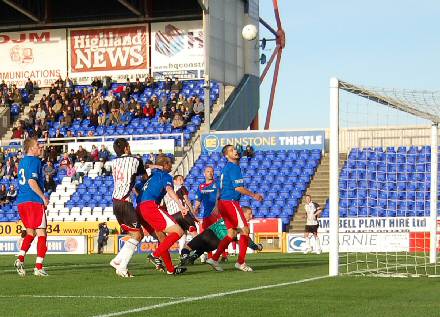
[379,43]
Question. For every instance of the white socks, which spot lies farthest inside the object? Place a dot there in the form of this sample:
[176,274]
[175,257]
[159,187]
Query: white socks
[125,254]
[317,244]
[182,242]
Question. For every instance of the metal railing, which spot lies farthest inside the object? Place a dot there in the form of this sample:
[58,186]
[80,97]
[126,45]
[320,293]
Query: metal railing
[189,157]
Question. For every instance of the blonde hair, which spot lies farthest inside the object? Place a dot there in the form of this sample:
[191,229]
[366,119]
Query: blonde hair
[28,143]
[162,160]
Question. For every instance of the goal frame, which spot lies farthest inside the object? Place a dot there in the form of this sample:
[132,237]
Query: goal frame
[335,86]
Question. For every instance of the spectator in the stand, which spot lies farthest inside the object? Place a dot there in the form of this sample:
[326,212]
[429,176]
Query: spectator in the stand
[51,115]
[65,161]
[239,149]
[94,153]
[115,117]
[70,171]
[124,104]
[59,135]
[53,154]
[16,97]
[57,107]
[68,83]
[36,86]
[9,169]
[138,87]
[103,118]
[12,194]
[49,184]
[187,114]
[189,102]
[72,156]
[125,117]
[81,171]
[199,107]
[131,104]
[163,102]
[151,158]
[67,120]
[29,86]
[178,121]
[173,100]
[38,131]
[114,103]
[164,117]
[49,169]
[168,84]
[59,82]
[173,111]
[155,101]
[249,152]
[17,133]
[93,118]
[149,81]
[3,194]
[79,113]
[2,170]
[97,83]
[41,114]
[104,154]
[52,89]
[176,86]
[82,154]
[97,101]
[138,112]
[3,85]
[149,110]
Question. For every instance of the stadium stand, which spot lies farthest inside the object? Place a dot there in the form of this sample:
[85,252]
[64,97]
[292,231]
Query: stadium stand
[385,182]
[281,176]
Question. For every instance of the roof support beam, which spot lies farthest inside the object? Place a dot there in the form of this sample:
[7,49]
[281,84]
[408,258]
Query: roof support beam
[130,7]
[22,10]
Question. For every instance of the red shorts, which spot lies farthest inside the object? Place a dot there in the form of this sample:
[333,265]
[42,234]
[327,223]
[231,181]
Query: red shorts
[144,224]
[210,220]
[232,214]
[158,218]
[33,215]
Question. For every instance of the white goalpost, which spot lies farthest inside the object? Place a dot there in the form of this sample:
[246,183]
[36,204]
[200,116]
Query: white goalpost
[383,181]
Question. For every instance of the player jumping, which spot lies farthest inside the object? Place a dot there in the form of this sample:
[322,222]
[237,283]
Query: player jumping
[231,188]
[154,190]
[210,238]
[31,206]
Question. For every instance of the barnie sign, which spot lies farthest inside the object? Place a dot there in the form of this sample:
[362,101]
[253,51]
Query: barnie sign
[111,51]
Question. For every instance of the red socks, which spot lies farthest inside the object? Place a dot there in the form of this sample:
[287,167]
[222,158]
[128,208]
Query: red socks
[27,241]
[162,250]
[221,247]
[41,251]
[243,244]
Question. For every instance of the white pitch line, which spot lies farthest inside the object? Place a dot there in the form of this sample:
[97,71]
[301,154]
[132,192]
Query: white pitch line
[210,296]
[66,266]
[89,296]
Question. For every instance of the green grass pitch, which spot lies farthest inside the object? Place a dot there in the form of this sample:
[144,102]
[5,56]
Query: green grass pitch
[87,286]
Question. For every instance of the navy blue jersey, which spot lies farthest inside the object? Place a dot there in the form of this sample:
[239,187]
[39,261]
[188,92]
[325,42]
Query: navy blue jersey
[207,195]
[30,167]
[155,187]
[231,178]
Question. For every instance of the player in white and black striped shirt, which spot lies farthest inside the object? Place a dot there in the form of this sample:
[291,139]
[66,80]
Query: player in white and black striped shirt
[125,168]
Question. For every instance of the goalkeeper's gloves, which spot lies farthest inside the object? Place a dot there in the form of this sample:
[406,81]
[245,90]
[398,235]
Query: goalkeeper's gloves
[260,247]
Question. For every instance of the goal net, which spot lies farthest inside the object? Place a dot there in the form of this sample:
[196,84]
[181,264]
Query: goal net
[383,181]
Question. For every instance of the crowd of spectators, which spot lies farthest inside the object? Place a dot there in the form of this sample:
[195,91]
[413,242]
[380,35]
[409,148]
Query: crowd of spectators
[64,104]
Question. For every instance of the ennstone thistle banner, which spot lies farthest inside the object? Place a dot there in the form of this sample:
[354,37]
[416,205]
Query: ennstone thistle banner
[264,141]
[40,55]
[177,49]
[119,52]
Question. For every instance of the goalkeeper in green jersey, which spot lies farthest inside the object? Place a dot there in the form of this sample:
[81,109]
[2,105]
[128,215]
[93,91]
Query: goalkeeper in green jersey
[210,239]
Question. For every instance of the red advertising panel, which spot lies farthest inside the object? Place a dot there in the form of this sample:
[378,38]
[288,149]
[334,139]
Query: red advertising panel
[110,51]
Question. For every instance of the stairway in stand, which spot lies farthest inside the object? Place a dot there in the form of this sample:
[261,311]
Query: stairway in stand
[319,189]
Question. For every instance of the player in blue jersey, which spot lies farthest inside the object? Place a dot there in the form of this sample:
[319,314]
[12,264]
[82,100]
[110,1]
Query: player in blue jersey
[206,197]
[155,188]
[32,205]
[231,189]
